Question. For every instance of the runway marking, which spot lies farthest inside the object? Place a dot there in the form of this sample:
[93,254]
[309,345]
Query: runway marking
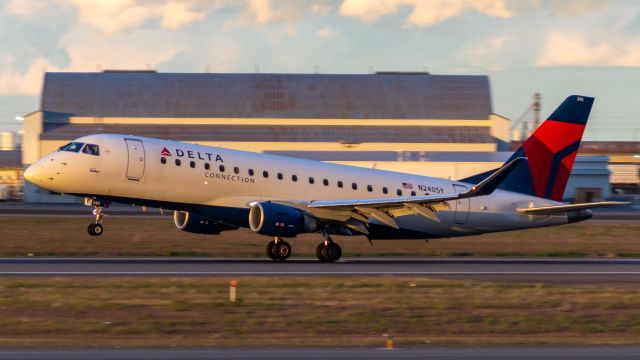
[124,273]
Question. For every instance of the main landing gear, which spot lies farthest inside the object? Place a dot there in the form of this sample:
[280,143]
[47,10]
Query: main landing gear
[278,249]
[96,228]
[328,251]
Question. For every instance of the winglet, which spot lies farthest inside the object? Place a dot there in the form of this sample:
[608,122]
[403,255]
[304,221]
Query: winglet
[488,185]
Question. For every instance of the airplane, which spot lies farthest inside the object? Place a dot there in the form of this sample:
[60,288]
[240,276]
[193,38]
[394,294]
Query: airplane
[213,189]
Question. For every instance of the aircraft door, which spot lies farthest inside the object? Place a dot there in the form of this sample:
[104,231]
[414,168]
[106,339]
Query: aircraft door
[462,206]
[135,164]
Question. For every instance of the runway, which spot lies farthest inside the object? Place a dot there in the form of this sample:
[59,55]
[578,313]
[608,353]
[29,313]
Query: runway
[525,353]
[519,269]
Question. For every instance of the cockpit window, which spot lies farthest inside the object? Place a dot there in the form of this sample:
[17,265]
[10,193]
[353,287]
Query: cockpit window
[91,149]
[72,147]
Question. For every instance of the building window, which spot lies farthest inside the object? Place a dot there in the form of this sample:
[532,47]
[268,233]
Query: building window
[339,183]
[294,178]
[385,190]
[265,174]
[369,188]
[178,162]
[311,180]
[354,186]
[163,160]
[207,166]
[399,192]
[250,172]
[221,168]
[236,170]
[325,182]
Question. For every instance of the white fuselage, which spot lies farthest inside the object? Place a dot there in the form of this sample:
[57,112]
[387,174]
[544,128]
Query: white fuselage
[130,169]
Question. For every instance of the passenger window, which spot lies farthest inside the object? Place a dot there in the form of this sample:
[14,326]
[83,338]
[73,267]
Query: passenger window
[385,190]
[311,180]
[207,166]
[279,176]
[250,172]
[265,174]
[192,164]
[178,162]
[340,183]
[413,193]
[294,178]
[91,149]
[72,147]
[163,160]
[399,192]
[369,188]
[325,182]
[236,170]
[354,186]
[221,168]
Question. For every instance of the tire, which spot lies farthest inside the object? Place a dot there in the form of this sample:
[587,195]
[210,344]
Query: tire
[271,251]
[95,229]
[282,250]
[334,252]
[319,252]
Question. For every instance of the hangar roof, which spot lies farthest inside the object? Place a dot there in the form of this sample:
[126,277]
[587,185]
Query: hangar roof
[298,96]
[280,133]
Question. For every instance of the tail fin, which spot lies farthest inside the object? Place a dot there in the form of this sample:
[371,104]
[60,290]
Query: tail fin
[550,152]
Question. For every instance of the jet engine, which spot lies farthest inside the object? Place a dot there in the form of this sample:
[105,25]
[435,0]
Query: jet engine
[271,219]
[189,222]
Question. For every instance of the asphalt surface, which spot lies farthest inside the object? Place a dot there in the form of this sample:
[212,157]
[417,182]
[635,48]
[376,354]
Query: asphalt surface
[523,353]
[545,270]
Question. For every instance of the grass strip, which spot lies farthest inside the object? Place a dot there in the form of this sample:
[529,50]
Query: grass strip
[333,311]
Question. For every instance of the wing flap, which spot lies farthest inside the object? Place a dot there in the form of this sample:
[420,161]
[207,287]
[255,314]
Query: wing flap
[547,210]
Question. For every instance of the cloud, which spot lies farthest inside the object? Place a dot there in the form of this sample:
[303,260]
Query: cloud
[326,32]
[111,16]
[25,9]
[321,9]
[177,14]
[14,82]
[569,49]
[423,13]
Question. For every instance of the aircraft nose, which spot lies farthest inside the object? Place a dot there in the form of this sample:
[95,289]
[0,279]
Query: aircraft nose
[32,173]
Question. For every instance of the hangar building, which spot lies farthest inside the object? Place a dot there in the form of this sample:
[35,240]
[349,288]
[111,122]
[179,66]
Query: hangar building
[398,115]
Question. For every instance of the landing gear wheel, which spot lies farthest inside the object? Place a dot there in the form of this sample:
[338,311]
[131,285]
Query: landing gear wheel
[319,251]
[282,250]
[95,229]
[333,252]
[271,251]
[328,251]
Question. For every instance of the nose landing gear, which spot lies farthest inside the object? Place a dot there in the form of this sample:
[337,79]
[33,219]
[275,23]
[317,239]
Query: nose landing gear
[278,249]
[328,251]
[96,228]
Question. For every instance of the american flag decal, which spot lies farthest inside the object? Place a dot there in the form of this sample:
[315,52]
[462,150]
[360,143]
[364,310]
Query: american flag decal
[407,186]
[165,152]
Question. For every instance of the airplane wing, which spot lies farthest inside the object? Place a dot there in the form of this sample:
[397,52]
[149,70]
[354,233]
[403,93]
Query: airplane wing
[354,213]
[546,210]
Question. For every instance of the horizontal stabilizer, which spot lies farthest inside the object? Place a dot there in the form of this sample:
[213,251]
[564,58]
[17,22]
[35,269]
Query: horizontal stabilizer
[546,210]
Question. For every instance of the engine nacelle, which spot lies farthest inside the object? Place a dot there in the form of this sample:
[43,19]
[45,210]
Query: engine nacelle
[271,219]
[189,222]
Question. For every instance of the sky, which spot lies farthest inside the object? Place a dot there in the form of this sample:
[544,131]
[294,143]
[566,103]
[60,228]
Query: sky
[555,47]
